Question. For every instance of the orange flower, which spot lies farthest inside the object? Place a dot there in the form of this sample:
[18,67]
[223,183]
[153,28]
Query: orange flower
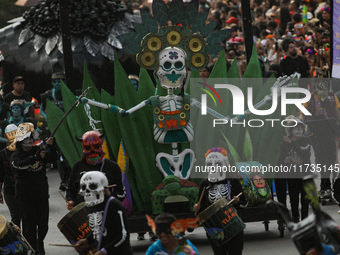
[161,125]
[171,123]
[183,123]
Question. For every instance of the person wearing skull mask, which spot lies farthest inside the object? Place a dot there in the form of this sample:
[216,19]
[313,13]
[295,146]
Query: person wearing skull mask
[216,186]
[323,123]
[31,188]
[7,174]
[107,218]
[295,151]
[93,160]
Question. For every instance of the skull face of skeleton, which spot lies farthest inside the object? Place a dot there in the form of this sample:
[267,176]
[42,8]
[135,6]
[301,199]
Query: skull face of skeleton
[172,71]
[92,187]
[216,162]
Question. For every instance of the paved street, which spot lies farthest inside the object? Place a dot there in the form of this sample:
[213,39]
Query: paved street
[257,240]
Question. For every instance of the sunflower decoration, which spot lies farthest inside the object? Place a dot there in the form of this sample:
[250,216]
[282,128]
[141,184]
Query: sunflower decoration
[187,31]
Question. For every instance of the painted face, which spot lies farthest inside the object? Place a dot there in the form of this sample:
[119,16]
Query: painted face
[216,161]
[57,85]
[259,181]
[16,111]
[172,71]
[298,131]
[27,143]
[93,147]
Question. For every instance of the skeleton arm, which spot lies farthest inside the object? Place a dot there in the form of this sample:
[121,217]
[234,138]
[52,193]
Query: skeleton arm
[109,107]
[138,106]
[196,103]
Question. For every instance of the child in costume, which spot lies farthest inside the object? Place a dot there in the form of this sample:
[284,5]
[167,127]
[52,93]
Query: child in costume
[167,242]
[217,186]
[295,151]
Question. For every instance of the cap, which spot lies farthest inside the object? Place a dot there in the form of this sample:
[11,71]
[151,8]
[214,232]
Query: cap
[58,76]
[18,78]
[232,20]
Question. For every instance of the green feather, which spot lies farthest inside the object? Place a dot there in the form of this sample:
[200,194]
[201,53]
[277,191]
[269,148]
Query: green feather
[217,36]
[208,29]
[199,21]
[149,22]
[191,11]
[176,11]
[132,37]
[160,12]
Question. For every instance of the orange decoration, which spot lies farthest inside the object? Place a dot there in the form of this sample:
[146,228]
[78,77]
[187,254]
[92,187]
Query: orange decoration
[171,123]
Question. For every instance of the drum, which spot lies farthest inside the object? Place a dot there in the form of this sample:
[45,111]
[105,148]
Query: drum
[10,242]
[74,225]
[221,221]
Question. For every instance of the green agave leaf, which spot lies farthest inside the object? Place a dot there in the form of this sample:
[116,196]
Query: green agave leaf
[160,12]
[138,140]
[110,124]
[92,94]
[77,119]
[149,21]
[208,28]
[132,37]
[146,88]
[141,29]
[220,67]
[231,149]
[199,22]
[218,36]
[212,49]
[253,68]
[191,11]
[193,74]
[71,149]
[247,148]
[132,49]
[233,70]
[176,11]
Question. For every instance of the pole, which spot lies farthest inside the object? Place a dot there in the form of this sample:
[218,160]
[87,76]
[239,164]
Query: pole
[247,28]
[66,37]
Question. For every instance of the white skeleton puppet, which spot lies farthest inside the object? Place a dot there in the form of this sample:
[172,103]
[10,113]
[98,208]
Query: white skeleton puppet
[171,113]
[216,160]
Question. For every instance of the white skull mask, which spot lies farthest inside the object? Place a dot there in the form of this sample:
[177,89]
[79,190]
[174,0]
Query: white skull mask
[218,162]
[92,186]
[172,71]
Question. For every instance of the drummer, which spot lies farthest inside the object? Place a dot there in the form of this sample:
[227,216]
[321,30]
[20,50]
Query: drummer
[93,160]
[216,186]
[107,218]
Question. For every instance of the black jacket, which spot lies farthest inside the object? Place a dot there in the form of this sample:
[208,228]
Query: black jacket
[110,169]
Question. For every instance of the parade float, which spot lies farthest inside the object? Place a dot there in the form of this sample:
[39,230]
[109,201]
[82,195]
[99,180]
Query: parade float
[156,168]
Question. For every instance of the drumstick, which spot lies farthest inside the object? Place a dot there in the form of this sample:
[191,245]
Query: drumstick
[199,201]
[61,194]
[64,245]
[90,252]
[23,238]
[111,186]
[234,198]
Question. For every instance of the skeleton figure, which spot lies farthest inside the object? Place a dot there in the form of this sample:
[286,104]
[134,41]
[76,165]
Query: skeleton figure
[95,223]
[216,159]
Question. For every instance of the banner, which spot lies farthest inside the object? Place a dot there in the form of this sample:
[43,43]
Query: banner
[336,39]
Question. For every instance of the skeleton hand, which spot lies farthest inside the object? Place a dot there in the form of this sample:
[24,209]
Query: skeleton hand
[124,113]
[84,100]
